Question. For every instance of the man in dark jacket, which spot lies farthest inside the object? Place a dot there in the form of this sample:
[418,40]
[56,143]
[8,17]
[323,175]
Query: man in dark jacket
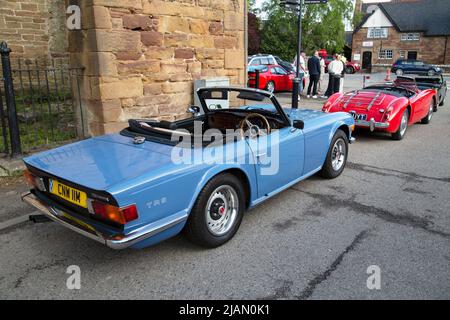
[314,74]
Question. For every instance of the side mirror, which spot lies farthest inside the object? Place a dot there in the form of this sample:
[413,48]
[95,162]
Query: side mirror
[194,110]
[299,124]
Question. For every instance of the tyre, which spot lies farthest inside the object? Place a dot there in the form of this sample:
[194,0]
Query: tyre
[217,213]
[349,70]
[336,157]
[431,73]
[429,116]
[399,72]
[270,86]
[400,133]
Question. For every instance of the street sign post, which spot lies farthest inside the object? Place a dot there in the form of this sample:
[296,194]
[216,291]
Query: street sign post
[295,6]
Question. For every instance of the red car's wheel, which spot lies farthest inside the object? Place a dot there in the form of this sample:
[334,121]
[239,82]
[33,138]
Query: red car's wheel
[400,133]
[429,116]
[270,86]
[349,70]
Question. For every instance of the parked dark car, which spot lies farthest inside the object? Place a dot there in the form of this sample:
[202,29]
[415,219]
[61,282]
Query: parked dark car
[436,82]
[404,66]
[286,65]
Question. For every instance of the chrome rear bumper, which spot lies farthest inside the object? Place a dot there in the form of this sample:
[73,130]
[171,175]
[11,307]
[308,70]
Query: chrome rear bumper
[372,124]
[117,242]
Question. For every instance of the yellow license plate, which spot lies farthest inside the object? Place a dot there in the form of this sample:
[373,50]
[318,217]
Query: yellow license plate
[69,194]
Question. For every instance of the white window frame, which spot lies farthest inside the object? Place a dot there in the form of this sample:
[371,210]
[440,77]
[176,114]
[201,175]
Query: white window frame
[385,54]
[410,36]
[377,33]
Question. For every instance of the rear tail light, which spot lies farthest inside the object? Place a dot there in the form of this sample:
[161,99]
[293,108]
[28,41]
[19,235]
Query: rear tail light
[33,181]
[112,213]
[387,114]
[30,179]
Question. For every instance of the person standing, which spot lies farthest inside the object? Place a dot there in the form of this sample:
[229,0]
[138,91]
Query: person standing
[334,70]
[314,75]
[302,71]
[322,74]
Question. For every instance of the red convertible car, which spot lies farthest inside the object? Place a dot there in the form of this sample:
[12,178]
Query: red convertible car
[389,107]
[271,78]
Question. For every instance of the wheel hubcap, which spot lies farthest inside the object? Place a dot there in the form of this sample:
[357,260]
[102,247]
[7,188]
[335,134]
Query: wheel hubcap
[338,155]
[221,210]
[271,87]
[430,114]
[404,124]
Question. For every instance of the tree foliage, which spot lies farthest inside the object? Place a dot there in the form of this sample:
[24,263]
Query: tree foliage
[323,27]
[254,36]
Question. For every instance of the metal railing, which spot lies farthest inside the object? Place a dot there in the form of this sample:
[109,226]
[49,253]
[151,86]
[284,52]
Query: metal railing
[40,106]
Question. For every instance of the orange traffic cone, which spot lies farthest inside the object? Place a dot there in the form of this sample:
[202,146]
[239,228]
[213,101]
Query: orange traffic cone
[388,75]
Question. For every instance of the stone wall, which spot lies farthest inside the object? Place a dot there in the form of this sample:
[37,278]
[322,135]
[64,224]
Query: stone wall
[34,28]
[429,49]
[142,57]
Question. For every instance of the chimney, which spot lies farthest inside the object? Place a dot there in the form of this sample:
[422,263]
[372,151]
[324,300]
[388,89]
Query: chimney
[358,6]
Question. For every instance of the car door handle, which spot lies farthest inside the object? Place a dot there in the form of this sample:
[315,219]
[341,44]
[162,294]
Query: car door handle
[261,155]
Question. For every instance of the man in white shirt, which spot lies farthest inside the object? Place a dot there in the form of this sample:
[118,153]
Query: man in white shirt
[335,69]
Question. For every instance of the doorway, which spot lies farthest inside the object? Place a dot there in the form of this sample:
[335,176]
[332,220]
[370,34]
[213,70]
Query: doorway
[412,55]
[367,60]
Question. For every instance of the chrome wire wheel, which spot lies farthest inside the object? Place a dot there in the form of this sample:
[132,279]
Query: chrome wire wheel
[338,154]
[221,210]
[404,124]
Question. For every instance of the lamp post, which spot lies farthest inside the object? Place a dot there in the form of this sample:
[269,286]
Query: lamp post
[295,6]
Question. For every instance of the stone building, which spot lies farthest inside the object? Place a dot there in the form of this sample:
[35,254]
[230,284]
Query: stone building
[141,58]
[34,28]
[410,29]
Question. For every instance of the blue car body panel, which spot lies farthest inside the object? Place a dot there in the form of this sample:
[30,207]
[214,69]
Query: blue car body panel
[164,191]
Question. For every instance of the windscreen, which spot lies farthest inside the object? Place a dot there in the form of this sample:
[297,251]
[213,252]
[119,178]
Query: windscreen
[225,100]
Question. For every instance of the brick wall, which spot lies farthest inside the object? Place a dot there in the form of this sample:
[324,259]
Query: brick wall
[34,28]
[429,49]
[142,57]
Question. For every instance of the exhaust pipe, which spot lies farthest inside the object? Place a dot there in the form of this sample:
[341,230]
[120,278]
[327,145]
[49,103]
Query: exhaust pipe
[39,218]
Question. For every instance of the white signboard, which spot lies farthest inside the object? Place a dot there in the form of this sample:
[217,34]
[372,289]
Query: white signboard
[356,57]
[367,44]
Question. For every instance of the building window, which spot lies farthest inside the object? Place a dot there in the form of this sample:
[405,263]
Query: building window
[385,54]
[410,37]
[377,33]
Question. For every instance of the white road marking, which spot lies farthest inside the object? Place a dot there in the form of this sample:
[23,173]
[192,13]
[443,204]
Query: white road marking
[13,222]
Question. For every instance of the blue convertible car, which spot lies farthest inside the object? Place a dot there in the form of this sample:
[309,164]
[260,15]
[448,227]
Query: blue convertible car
[198,175]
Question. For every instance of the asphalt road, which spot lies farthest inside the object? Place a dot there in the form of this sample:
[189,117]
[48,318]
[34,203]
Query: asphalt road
[390,208]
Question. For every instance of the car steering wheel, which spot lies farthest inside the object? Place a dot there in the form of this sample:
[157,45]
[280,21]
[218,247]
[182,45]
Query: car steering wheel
[254,130]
